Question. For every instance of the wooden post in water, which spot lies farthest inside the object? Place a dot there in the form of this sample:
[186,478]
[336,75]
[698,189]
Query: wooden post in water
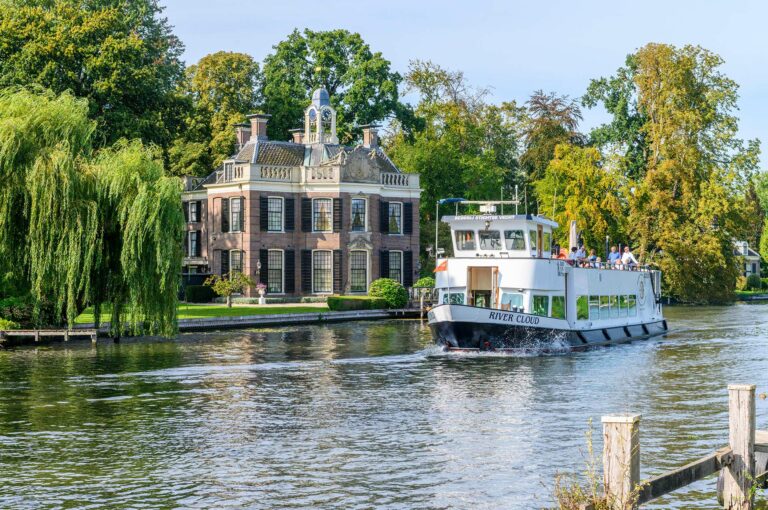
[740,474]
[621,459]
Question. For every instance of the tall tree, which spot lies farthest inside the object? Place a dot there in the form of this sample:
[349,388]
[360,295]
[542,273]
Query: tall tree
[362,87]
[223,88]
[121,56]
[80,227]
[690,203]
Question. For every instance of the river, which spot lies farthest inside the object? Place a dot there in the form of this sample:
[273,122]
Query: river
[357,415]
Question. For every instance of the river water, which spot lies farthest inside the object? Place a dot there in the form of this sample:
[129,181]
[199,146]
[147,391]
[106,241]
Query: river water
[357,415]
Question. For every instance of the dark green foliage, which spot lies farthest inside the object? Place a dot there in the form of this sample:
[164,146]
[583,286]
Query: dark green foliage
[344,303]
[425,282]
[390,291]
[198,294]
[754,282]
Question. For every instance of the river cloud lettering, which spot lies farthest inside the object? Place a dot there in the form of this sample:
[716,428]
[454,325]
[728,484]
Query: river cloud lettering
[511,317]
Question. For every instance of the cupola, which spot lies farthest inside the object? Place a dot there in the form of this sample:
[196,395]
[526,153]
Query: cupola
[320,119]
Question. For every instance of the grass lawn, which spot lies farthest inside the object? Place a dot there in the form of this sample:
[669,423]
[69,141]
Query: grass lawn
[195,311]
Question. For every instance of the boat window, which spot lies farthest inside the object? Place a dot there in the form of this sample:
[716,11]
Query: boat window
[605,307]
[532,234]
[511,301]
[465,240]
[622,306]
[490,240]
[614,306]
[514,239]
[547,241]
[540,305]
[594,308]
[456,298]
[582,308]
[558,307]
[631,306]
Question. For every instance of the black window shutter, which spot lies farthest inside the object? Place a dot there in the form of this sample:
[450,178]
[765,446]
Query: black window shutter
[263,212]
[306,271]
[407,269]
[186,244]
[306,215]
[199,210]
[225,215]
[290,215]
[384,217]
[338,272]
[384,264]
[242,214]
[199,243]
[185,206]
[264,271]
[338,214]
[408,218]
[224,262]
[290,271]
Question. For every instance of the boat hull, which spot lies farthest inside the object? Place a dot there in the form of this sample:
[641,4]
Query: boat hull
[496,330]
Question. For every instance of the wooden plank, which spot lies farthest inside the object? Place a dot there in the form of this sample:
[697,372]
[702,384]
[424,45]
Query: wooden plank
[685,475]
[621,459]
[740,473]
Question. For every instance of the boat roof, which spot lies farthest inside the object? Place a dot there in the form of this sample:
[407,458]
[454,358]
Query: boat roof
[541,220]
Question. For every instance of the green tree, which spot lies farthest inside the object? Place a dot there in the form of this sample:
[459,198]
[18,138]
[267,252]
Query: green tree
[223,88]
[690,203]
[121,56]
[80,228]
[576,187]
[362,87]
[235,282]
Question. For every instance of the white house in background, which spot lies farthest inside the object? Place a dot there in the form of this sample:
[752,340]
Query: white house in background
[750,258]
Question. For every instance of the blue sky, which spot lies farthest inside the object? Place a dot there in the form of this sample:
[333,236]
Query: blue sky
[511,47]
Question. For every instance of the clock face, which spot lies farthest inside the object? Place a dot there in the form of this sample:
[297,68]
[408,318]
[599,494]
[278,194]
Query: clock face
[312,115]
[326,115]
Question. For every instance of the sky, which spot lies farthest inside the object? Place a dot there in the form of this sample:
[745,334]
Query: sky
[511,47]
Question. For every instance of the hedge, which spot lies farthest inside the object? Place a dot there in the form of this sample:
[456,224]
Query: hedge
[754,282]
[198,294]
[390,291]
[344,303]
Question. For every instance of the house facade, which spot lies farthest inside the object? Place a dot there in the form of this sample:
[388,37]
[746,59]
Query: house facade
[750,259]
[304,217]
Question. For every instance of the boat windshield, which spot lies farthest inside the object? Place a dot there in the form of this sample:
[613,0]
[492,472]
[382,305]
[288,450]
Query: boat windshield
[514,239]
[465,240]
[490,240]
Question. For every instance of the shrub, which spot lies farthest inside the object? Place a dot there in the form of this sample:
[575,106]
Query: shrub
[344,303]
[741,283]
[425,282]
[764,283]
[390,291]
[5,324]
[753,282]
[198,294]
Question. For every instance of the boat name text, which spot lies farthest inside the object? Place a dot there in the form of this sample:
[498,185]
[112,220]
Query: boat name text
[510,317]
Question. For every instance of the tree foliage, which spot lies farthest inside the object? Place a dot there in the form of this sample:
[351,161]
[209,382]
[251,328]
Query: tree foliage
[362,87]
[120,56]
[235,282]
[80,227]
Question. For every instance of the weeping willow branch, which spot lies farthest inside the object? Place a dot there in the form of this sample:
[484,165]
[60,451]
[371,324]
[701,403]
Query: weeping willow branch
[84,228]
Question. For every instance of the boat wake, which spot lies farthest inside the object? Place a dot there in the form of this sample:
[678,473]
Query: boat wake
[525,348]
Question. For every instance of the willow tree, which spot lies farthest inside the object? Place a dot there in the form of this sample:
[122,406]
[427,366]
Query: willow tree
[83,227]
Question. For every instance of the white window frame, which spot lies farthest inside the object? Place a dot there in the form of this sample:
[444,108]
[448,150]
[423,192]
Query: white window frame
[367,271]
[282,272]
[313,273]
[401,218]
[242,260]
[190,251]
[232,214]
[330,221]
[282,215]
[189,212]
[351,210]
[401,265]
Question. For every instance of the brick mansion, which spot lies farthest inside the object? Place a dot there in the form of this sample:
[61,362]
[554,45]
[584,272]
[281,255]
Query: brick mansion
[307,216]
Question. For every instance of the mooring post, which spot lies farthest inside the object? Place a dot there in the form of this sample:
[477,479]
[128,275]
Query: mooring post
[621,459]
[739,476]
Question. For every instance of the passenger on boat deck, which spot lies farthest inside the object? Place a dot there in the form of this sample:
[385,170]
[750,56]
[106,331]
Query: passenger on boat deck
[572,258]
[628,260]
[580,253]
[592,258]
[614,257]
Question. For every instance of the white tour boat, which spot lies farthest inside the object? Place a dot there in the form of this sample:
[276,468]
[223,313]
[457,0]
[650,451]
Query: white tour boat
[503,289]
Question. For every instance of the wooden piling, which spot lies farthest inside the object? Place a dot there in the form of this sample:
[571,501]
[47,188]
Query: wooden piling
[740,474]
[621,460]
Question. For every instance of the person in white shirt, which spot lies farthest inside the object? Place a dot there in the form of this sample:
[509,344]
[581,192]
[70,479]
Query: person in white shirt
[628,260]
[580,253]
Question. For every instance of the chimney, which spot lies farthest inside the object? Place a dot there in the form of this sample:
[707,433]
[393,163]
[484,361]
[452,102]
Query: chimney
[243,134]
[298,135]
[370,137]
[259,125]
